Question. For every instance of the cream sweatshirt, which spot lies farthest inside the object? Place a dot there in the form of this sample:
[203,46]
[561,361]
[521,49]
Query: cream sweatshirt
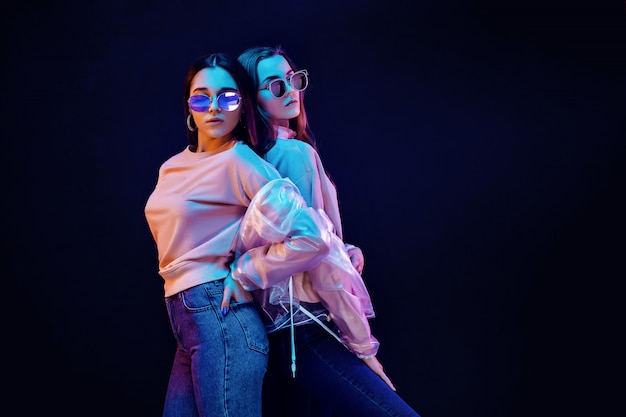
[196,208]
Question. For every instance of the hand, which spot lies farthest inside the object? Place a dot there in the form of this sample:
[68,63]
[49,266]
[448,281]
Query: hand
[233,290]
[376,366]
[356,258]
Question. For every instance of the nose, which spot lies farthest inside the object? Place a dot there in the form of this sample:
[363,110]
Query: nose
[289,89]
[213,106]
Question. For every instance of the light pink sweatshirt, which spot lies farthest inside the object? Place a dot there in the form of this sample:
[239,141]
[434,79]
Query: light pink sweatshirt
[196,208]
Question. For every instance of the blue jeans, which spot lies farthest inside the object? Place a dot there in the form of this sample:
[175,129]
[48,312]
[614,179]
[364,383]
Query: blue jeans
[220,361]
[330,381]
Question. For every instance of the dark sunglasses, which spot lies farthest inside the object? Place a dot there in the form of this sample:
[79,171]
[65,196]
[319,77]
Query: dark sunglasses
[227,101]
[299,81]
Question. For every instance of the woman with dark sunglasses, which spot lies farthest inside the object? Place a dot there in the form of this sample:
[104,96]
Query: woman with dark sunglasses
[329,379]
[194,212]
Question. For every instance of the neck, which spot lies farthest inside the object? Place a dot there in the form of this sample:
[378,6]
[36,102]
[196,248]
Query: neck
[206,143]
[281,122]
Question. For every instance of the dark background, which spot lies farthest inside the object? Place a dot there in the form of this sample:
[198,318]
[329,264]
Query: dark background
[479,153]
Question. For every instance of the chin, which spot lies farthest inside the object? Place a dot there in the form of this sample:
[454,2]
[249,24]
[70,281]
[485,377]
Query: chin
[218,133]
[293,113]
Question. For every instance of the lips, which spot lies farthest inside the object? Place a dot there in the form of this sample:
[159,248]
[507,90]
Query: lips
[214,121]
[290,102]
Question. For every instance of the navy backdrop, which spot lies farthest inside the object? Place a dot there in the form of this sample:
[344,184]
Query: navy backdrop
[478,150]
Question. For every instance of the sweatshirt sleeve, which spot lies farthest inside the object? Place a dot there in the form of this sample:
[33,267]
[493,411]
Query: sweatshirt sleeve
[279,236]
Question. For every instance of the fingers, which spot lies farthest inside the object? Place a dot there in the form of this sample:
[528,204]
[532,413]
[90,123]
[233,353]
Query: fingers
[357,265]
[237,292]
[386,379]
[357,259]
[233,290]
[377,368]
[226,299]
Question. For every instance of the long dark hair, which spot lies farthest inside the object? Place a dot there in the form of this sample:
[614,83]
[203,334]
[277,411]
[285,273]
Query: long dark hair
[250,59]
[251,127]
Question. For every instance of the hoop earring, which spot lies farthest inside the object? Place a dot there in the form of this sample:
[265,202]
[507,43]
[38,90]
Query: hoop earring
[189,126]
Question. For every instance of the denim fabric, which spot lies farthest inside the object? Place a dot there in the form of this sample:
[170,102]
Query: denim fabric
[330,381]
[220,361]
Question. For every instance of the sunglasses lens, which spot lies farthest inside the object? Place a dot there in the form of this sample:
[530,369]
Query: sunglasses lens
[299,80]
[277,88]
[199,102]
[228,101]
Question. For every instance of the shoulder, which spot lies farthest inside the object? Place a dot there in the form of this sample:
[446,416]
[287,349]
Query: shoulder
[294,144]
[245,158]
[293,147]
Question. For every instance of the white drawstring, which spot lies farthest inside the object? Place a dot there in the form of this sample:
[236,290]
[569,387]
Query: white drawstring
[318,321]
[293,343]
[312,317]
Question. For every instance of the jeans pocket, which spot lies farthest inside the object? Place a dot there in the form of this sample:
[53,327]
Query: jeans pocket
[197,299]
[250,321]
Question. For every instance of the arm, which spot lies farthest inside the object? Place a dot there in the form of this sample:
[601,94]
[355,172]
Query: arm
[344,294]
[280,236]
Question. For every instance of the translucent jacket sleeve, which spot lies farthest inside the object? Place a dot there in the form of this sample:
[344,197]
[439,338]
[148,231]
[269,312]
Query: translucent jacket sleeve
[279,236]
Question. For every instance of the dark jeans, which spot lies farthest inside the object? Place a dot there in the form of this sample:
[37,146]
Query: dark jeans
[330,381]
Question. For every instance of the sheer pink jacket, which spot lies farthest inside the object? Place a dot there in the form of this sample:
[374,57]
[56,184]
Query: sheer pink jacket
[277,211]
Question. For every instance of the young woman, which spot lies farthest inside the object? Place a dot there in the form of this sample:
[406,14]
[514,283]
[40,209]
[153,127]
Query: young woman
[194,213]
[330,379]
